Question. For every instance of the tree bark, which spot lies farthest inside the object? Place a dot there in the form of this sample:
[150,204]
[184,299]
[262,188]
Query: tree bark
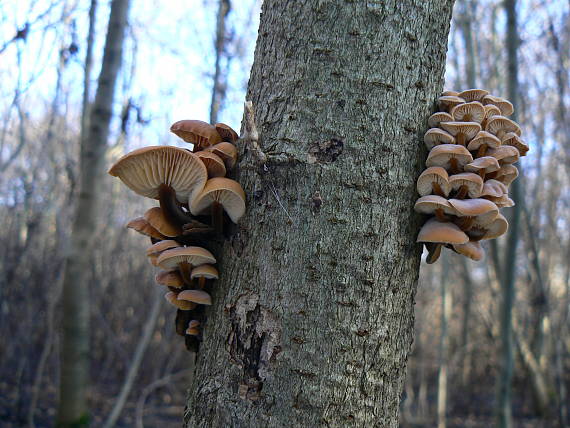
[504,405]
[312,320]
[73,409]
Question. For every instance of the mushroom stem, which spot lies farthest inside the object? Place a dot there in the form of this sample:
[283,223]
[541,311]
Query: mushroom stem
[465,223]
[461,139]
[185,270]
[440,215]
[454,165]
[218,217]
[434,251]
[181,322]
[437,189]
[462,192]
[482,173]
[482,151]
[172,211]
[202,282]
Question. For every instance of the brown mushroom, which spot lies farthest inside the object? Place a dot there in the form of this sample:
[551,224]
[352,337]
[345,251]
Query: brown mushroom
[213,163]
[462,131]
[483,141]
[142,226]
[451,157]
[470,95]
[433,180]
[184,305]
[200,134]
[157,219]
[203,273]
[436,136]
[483,165]
[433,204]
[502,104]
[170,278]
[185,258]
[195,296]
[469,112]
[436,118]
[471,249]
[227,152]
[466,184]
[440,233]
[226,132]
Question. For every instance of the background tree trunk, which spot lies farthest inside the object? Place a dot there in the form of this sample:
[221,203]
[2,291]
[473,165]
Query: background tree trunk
[313,317]
[75,342]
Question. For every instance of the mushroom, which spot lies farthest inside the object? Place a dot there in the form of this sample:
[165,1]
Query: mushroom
[449,93]
[466,184]
[436,118]
[435,136]
[471,249]
[434,180]
[493,188]
[505,154]
[227,152]
[462,131]
[433,204]
[156,218]
[469,112]
[470,95]
[471,210]
[483,141]
[492,230]
[169,174]
[506,174]
[170,278]
[200,134]
[451,157]
[142,226]
[184,305]
[193,328]
[226,132]
[500,126]
[185,258]
[195,296]
[512,139]
[220,194]
[440,233]
[154,250]
[447,102]
[483,166]
[204,272]
[490,111]
[213,163]
[502,104]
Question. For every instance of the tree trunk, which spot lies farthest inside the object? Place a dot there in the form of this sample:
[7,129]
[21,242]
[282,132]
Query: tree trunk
[504,417]
[72,409]
[312,320]
[219,84]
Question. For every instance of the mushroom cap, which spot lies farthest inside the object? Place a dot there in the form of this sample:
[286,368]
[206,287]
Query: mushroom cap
[499,125]
[430,203]
[436,136]
[473,182]
[474,111]
[196,296]
[447,102]
[227,152]
[172,298]
[493,188]
[224,191]
[442,233]
[144,170]
[441,155]
[491,110]
[485,211]
[505,154]
[197,132]
[512,139]
[161,246]
[470,95]
[436,118]
[471,249]
[205,271]
[502,201]
[449,93]
[507,174]
[498,227]
[226,132]
[213,163]
[435,174]
[194,324]
[194,256]
[481,138]
[192,331]
[486,163]
[502,104]
[142,226]
[156,219]
[469,129]
[153,259]
[170,278]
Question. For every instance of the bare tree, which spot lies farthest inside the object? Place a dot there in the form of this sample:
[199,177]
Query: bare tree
[313,318]
[75,342]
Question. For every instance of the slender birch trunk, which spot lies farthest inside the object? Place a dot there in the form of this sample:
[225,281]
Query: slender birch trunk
[73,409]
[312,320]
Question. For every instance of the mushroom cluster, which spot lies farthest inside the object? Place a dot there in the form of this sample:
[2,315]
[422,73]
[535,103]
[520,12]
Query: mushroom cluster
[472,148]
[196,202]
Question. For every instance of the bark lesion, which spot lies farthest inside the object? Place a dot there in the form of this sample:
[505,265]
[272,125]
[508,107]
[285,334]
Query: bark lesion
[253,344]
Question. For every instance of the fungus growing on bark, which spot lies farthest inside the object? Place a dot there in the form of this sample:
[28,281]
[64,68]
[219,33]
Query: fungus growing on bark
[170,278]
[472,146]
[227,152]
[226,132]
[213,163]
[203,273]
[141,225]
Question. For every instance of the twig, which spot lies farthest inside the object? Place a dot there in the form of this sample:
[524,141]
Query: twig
[279,202]
[251,136]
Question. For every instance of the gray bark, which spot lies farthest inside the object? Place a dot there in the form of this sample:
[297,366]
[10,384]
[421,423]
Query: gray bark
[74,379]
[504,398]
[312,320]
